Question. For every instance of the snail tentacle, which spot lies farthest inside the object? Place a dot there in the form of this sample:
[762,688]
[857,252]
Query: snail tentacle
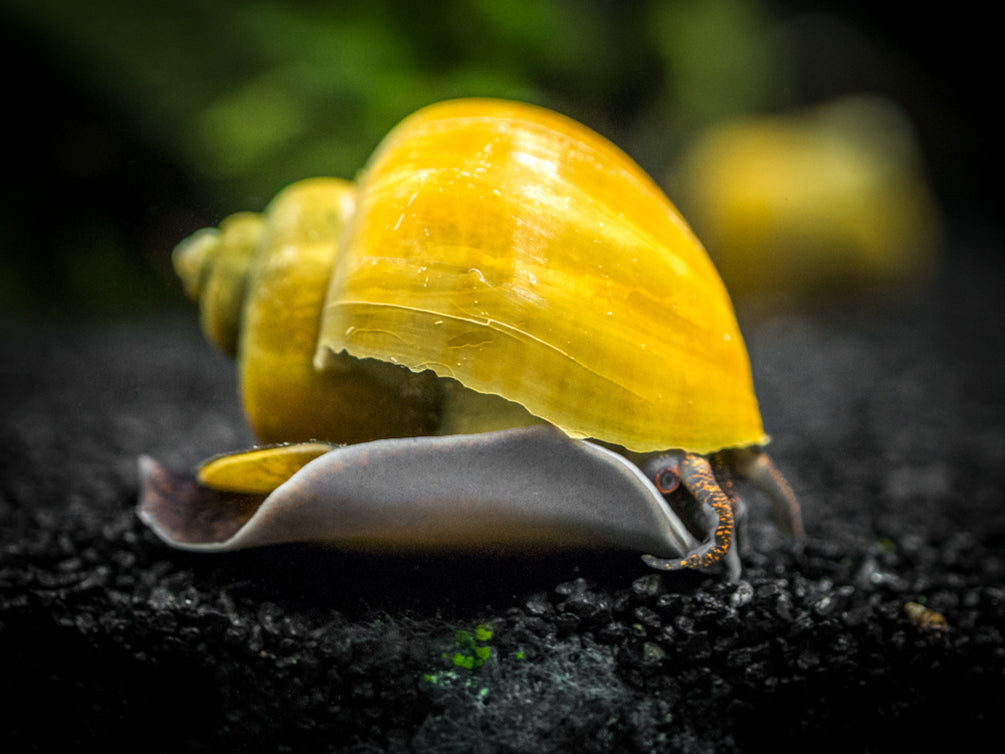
[756,465]
[696,474]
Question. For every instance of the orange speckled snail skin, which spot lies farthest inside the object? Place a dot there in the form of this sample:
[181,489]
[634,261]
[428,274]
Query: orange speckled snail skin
[518,336]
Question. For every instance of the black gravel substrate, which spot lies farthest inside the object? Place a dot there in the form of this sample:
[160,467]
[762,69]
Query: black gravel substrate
[888,420]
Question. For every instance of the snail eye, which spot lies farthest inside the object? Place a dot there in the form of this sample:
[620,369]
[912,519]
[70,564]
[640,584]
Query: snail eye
[666,479]
[664,471]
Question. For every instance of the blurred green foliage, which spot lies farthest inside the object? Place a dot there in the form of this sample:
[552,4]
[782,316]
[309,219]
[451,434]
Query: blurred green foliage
[154,118]
[251,95]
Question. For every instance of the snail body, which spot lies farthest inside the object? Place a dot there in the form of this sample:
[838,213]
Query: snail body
[495,265]
[405,494]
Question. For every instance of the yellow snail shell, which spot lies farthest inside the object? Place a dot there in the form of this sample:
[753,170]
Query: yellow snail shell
[494,265]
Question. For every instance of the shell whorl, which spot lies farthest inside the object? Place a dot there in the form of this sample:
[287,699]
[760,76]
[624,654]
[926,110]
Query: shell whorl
[261,281]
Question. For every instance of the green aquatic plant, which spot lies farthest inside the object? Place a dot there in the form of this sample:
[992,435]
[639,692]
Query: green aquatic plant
[471,650]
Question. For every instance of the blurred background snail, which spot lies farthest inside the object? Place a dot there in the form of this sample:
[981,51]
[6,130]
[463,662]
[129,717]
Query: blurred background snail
[513,332]
[820,204]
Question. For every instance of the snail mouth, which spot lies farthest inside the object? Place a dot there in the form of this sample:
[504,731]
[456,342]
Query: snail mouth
[185,513]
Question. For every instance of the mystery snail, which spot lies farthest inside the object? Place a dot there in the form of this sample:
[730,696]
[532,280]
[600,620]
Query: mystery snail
[501,334]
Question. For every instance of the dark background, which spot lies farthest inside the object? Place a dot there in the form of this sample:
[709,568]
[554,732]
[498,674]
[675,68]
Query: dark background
[131,125]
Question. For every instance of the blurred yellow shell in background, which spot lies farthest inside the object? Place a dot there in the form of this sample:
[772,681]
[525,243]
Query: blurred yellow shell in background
[828,201]
[488,248]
